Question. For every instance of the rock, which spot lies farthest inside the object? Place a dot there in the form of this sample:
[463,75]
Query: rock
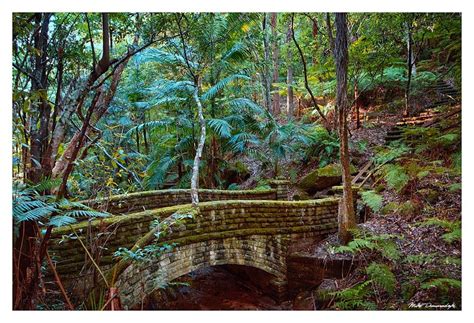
[304,301]
[300,196]
[322,295]
[236,172]
[322,178]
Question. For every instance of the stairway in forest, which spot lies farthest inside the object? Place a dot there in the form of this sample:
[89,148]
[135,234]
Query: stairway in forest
[363,178]
[447,95]
[431,115]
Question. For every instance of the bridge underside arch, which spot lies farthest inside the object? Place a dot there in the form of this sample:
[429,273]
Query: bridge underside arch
[264,252]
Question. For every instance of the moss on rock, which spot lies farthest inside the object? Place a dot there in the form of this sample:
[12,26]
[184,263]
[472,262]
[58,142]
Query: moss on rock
[322,178]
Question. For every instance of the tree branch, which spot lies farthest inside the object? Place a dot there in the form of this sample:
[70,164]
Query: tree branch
[305,72]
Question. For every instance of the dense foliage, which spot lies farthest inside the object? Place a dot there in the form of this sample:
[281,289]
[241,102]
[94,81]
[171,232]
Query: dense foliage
[106,104]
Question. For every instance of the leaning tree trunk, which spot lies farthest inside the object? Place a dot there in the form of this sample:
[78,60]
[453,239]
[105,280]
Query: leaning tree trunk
[346,209]
[197,157]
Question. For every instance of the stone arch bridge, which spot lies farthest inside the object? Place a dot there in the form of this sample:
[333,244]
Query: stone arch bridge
[250,228]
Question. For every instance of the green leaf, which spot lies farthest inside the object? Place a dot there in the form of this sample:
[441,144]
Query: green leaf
[396,177]
[372,200]
[61,220]
[221,127]
[382,276]
[442,283]
[214,90]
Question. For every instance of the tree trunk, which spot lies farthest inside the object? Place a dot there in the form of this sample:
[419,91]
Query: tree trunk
[276,51]
[39,87]
[329,29]
[266,70]
[346,210]
[409,68]
[289,76]
[26,262]
[197,157]
[103,103]
[305,72]
[356,103]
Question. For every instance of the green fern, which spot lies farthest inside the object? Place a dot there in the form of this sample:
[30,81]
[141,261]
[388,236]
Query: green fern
[29,205]
[372,200]
[220,127]
[214,90]
[382,277]
[452,228]
[395,176]
[354,298]
[442,284]
[364,241]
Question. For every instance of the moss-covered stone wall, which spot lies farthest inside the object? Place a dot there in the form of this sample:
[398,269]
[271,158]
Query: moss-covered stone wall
[140,201]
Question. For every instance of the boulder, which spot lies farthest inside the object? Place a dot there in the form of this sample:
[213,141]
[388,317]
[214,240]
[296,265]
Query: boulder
[235,173]
[322,178]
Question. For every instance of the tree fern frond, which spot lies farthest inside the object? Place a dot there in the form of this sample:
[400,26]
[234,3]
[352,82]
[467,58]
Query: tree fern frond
[85,213]
[159,56]
[61,220]
[35,214]
[149,125]
[221,127]
[214,90]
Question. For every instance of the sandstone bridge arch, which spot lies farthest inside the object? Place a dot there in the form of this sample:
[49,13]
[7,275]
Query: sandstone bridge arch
[254,233]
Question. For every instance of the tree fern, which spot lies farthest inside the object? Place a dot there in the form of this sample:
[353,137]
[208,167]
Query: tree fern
[220,127]
[29,205]
[214,90]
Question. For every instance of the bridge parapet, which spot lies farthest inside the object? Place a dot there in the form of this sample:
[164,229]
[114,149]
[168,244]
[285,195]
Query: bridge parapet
[141,201]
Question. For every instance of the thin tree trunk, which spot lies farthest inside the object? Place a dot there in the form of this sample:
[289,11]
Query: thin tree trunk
[276,51]
[409,68]
[103,104]
[305,72]
[356,103]
[197,157]
[346,209]
[289,76]
[266,70]
[329,29]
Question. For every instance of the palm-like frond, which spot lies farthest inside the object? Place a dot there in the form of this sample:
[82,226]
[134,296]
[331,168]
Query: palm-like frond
[149,125]
[158,170]
[240,104]
[220,127]
[61,220]
[159,56]
[214,90]
[239,142]
[29,205]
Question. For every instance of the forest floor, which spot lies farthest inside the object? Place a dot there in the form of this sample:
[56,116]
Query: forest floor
[428,261]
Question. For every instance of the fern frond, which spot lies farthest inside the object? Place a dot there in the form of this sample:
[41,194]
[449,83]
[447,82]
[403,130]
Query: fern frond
[85,213]
[221,127]
[214,90]
[61,220]
[372,200]
[382,276]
